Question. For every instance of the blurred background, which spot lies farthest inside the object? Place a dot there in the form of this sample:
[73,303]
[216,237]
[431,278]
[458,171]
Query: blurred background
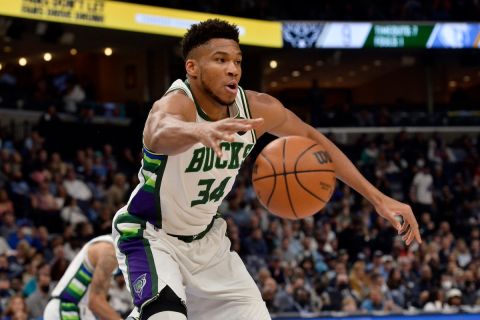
[396,85]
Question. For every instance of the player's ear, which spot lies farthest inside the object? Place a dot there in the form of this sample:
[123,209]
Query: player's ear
[191,66]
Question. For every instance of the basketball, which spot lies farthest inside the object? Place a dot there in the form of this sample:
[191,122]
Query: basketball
[294,177]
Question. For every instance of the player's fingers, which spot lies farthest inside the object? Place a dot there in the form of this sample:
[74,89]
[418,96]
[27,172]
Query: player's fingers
[241,124]
[405,236]
[256,122]
[218,151]
[417,236]
[405,226]
[411,236]
[408,237]
[253,121]
[228,137]
[394,222]
[215,145]
[236,127]
[219,136]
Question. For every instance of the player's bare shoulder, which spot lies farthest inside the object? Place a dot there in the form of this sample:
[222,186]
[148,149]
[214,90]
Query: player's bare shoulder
[175,103]
[263,105]
[260,100]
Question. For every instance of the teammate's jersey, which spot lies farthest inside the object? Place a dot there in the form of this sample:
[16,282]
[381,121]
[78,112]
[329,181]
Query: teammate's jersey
[74,285]
[181,193]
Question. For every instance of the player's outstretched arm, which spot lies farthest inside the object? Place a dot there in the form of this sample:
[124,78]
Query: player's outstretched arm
[171,128]
[282,122]
[105,264]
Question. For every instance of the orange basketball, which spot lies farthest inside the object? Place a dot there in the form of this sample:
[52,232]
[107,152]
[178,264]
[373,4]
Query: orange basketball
[294,177]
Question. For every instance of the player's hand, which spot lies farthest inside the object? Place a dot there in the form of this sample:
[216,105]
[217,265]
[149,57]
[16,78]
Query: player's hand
[213,133]
[390,209]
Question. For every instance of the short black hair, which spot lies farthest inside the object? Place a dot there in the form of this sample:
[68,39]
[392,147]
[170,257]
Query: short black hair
[202,32]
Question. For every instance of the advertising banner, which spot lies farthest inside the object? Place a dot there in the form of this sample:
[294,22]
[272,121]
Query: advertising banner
[138,18]
[357,35]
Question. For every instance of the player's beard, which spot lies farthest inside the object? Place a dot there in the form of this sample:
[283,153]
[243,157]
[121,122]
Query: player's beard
[213,95]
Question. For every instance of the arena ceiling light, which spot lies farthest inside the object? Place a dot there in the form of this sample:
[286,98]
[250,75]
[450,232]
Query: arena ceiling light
[22,61]
[47,56]
[273,64]
[108,51]
[73,51]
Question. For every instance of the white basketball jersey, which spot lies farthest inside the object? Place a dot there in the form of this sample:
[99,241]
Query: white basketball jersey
[74,284]
[181,193]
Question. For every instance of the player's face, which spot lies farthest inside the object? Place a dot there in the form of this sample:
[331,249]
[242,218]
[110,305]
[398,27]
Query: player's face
[220,69]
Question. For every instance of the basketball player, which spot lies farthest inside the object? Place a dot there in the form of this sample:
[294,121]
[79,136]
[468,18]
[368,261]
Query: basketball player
[82,291]
[171,244]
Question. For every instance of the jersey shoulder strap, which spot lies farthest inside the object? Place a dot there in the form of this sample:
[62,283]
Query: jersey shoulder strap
[180,85]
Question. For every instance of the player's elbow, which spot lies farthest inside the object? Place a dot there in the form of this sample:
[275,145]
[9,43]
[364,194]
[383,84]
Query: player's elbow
[96,302]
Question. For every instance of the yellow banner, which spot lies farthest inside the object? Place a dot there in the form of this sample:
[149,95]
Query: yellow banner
[139,18]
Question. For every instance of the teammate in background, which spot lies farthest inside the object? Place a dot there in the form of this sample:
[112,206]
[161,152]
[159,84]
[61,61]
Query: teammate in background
[82,291]
[171,244]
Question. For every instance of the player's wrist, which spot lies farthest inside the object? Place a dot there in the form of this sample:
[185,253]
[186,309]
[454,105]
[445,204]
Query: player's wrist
[375,198]
[195,132]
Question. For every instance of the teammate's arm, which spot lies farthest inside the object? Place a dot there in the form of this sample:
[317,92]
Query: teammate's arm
[171,128]
[105,264]
[282,122]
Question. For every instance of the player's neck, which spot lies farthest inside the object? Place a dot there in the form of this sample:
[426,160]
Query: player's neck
[212,108]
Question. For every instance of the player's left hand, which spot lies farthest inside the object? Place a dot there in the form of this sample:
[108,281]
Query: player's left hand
[390,208]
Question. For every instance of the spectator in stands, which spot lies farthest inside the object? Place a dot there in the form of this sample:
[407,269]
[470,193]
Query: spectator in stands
[59,263]
[20,192]
[335,294]
[349,305]
[16,309]
[116,194]
[43,200]
[71,212]
[254,244]
[269,291]
[6,205]
[120,298]
[73,96]
[454,299]
[48,126]
[37,301]
[6,291]
[422,188]
[359,280]
[303,302]
[57,165]
[75,187]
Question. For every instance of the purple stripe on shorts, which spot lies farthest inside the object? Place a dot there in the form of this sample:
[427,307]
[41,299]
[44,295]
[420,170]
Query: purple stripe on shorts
[138,270]
[143,206]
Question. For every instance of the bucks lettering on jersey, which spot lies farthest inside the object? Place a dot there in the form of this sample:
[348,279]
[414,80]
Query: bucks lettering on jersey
[181,193]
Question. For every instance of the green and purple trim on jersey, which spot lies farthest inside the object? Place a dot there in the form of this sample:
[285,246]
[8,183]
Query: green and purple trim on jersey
[145,203]
[78,285]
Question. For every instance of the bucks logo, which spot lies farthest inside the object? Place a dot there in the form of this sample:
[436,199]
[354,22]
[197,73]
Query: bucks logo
[139,283]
